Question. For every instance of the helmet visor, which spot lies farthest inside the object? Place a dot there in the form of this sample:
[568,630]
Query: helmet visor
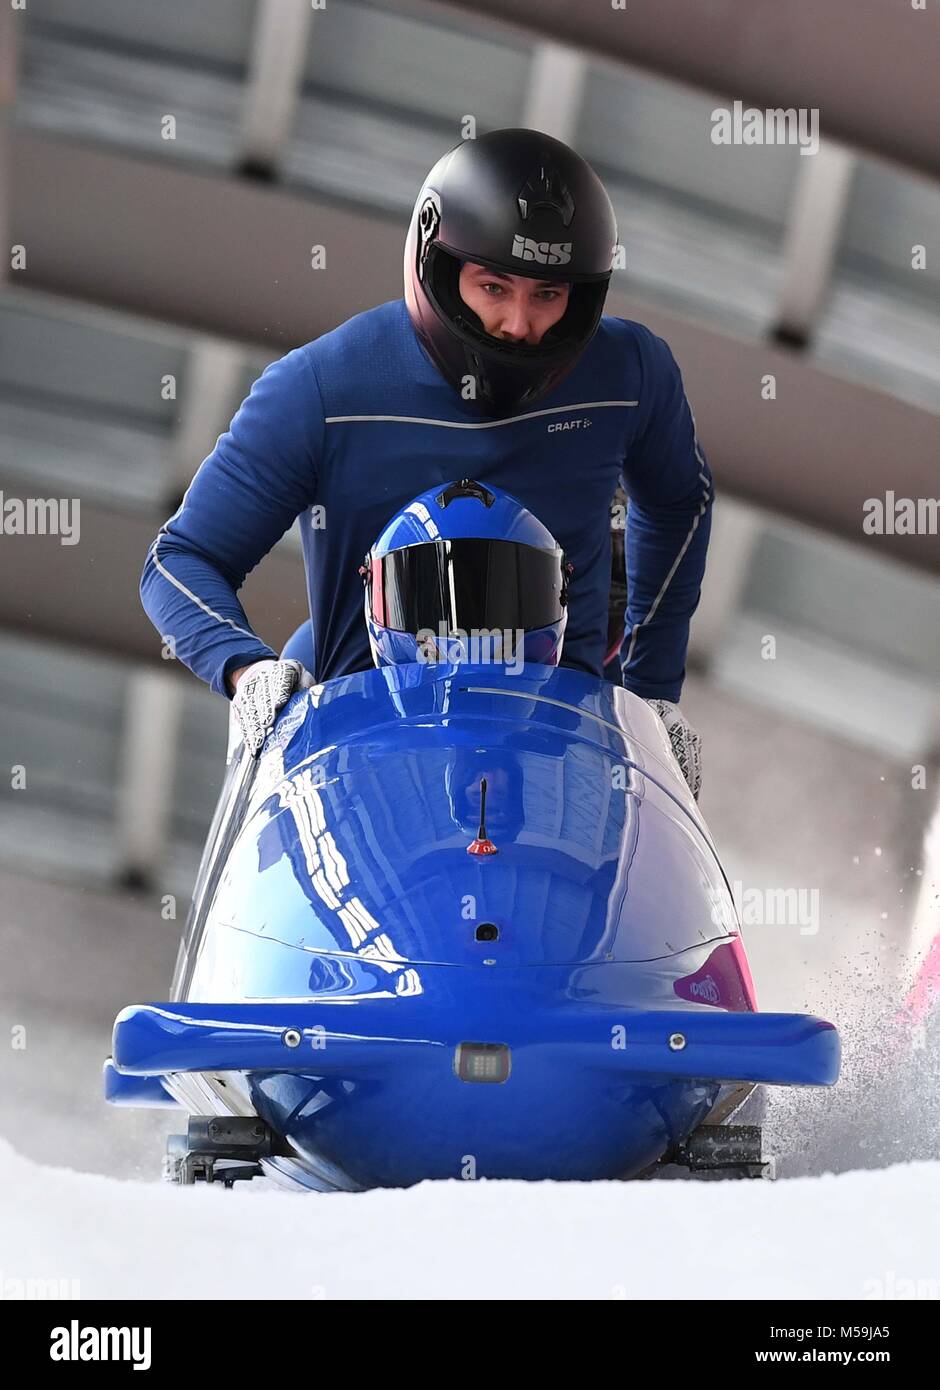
[468,585]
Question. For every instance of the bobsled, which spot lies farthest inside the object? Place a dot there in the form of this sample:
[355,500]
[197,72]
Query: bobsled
[460,921]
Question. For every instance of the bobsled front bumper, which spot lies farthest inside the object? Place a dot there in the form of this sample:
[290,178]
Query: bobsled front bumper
[387,1092]
[367,1039]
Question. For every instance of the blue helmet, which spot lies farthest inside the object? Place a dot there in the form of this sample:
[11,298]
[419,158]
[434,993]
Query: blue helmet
[465,573]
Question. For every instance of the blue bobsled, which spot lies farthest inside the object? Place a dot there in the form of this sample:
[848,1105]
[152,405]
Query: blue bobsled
[460,921]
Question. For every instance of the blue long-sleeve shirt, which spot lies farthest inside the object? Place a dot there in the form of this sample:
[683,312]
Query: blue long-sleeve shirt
[347,429]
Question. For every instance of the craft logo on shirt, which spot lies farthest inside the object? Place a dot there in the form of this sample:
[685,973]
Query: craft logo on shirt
[569,425]
[545,252]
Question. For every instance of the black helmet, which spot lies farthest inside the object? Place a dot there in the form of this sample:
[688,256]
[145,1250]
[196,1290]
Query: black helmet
[523,203]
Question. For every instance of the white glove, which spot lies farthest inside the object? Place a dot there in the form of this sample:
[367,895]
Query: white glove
[686,743]
[263,689]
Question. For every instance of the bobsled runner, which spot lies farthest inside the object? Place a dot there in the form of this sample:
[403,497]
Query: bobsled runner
[460,920]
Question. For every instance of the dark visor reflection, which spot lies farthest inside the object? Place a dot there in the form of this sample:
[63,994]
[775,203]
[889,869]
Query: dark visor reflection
[469,584]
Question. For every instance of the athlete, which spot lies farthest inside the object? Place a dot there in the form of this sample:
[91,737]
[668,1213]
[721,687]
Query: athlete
[498,366]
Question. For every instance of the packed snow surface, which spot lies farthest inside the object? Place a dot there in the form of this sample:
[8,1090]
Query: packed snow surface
[858,1235]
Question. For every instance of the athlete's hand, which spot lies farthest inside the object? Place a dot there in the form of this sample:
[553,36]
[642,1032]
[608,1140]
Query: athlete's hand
[260,691]
[686,743]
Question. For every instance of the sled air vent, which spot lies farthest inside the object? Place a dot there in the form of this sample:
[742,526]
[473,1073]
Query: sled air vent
[487,931]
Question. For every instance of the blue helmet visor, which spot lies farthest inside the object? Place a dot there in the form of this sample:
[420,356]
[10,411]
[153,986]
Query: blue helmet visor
[468,584]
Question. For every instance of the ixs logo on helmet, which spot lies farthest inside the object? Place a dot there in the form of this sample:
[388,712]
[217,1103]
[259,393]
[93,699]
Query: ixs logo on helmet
[545,252]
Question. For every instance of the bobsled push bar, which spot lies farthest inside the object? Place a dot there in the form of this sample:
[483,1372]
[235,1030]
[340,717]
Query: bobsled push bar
[328,1039]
